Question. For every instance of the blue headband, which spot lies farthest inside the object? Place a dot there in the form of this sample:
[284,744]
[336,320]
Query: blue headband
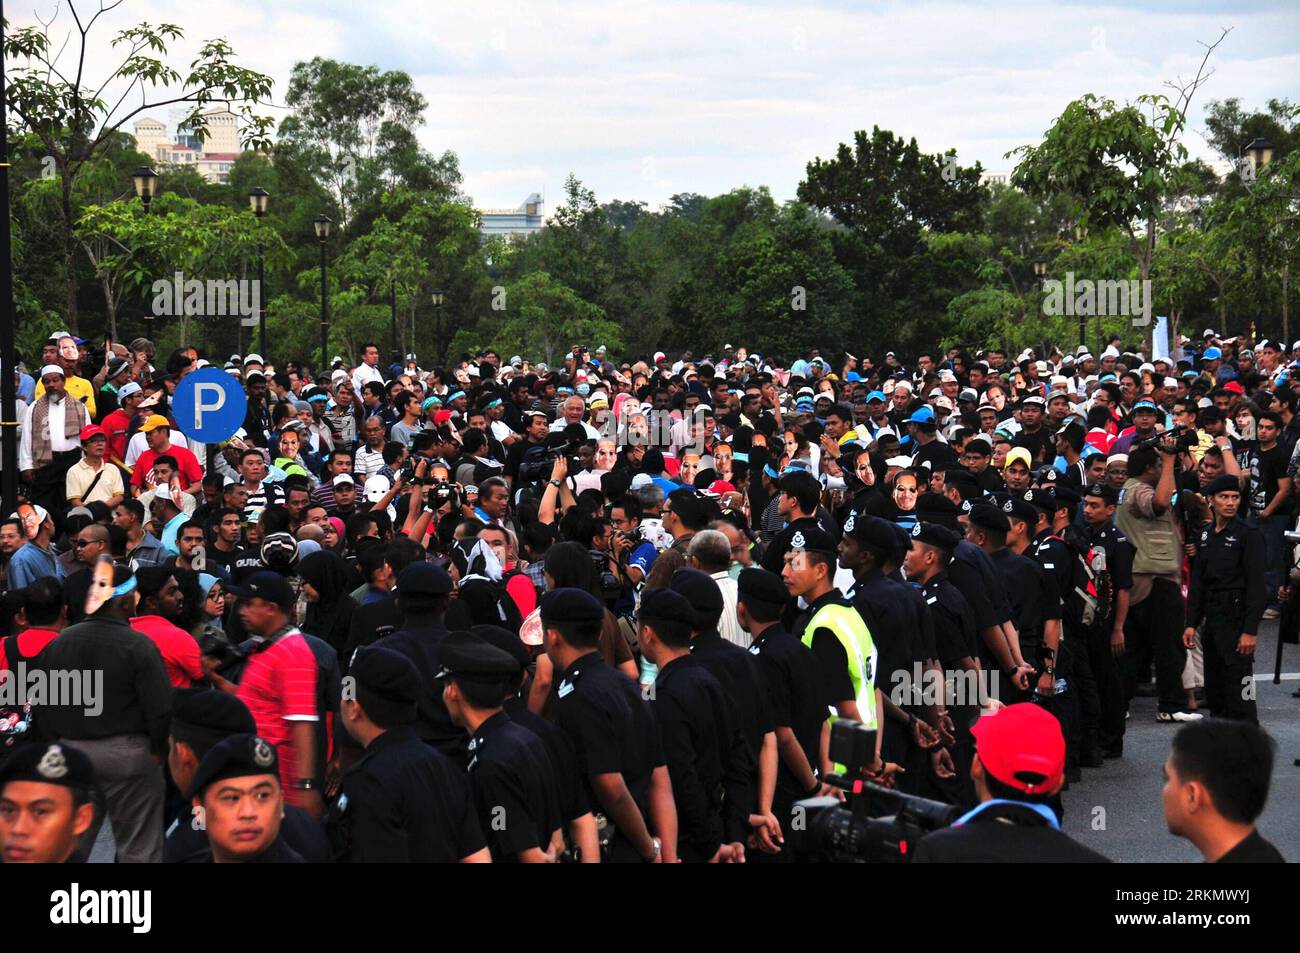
[128,586]
[494,402]
[451,397]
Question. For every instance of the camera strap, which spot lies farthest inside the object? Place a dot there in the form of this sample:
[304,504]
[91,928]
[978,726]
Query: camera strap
[999,807]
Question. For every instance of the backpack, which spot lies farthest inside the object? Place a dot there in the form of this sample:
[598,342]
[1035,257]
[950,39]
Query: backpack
[17,722]
[1089,600]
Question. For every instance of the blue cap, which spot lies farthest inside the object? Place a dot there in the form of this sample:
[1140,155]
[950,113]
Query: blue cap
[922,415]
[875,395]
[852,376]
[1146,405]
[1212,354]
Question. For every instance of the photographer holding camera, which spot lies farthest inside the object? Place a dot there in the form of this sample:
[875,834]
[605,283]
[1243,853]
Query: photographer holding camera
[1150,521]
[1018,770]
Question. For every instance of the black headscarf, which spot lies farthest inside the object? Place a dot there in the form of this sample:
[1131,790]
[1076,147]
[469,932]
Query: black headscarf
[329,616]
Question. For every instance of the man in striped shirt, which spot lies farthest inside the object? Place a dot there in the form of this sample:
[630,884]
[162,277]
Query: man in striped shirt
[252,468]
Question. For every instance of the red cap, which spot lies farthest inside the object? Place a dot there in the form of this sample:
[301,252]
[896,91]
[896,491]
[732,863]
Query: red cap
[441,417]
[1233,387]
[719,487]
[1018,745]
[93,430]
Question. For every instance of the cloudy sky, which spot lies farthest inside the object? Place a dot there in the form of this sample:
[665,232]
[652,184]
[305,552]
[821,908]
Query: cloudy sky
[643,100]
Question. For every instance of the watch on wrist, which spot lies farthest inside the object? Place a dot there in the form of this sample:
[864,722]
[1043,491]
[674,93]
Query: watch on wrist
[555,483]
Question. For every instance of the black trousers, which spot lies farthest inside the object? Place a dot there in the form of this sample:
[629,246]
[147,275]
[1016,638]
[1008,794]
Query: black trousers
[1155,627]
[1229,675]
[1110,691]
[1087,703]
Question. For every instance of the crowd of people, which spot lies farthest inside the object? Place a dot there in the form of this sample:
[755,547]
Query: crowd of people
[609,610]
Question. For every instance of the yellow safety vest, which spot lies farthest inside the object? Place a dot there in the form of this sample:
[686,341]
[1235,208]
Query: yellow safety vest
[850,628]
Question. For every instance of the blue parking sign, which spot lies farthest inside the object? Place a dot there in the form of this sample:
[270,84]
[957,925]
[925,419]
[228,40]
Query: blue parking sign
[210,405]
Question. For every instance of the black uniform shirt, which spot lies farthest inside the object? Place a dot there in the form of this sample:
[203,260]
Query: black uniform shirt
[987,838]
[403,802]
[791,681]
[1227,562]
[1119,560]
[432,722]
[712,769]
[513,782]
[1253,850]
[737,671]
[611,726]
[972,572]
[1054,556]
[892,614]
[573,802]
[300,832]
[954,628]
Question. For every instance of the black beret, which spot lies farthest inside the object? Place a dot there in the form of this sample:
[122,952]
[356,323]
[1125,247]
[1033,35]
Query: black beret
[423,579]
[932,534]
[48,764]
[386,674]
[871,531]
[235,757]
[814,540]
[700,590]
[466,655]
[988,516]
[1044,499]
[1223,484]
[666,605]
[956,476]
[1109,494]
[505,640]
[1066,496]
[759,585]
[1016,508]
[206,714]
[935,504]
[571,605]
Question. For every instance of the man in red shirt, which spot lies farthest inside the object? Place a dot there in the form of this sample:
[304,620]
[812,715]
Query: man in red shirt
[162,602]
[158,433]
[118,424]
[42,616]
[279,684]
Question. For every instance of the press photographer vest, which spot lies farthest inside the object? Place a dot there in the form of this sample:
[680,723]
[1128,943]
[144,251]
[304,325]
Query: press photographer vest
[847,625]
[1158,552]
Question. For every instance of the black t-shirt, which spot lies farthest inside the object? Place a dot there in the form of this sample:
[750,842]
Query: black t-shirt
[790,676]
[1265,468]
[936,453]
[1253,850]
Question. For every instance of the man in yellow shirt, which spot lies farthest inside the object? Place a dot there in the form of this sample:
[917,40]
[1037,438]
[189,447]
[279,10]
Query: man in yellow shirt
[78,387]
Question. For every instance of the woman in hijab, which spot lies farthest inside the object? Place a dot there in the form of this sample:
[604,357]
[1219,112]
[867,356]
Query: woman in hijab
[329,606]
[334,536]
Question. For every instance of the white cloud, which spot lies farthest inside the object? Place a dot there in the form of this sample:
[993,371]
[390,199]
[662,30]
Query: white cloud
[719,94]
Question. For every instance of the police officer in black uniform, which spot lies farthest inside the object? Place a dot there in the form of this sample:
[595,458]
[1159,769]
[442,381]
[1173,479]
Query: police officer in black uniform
[575,811]
[893,614]
[620,758]
[791,679]
[1110,556]
[402,801]
[245,770]
[712,769]
[957,646]
[201,717]
[1226,598]
[510,772]
[732,666]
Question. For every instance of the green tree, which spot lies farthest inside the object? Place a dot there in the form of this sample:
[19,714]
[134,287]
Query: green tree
[63,108]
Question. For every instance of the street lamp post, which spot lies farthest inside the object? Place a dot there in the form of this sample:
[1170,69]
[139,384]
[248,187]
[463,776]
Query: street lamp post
[257,199]
[322,225]
[436,298]
[8,359]
[146,187]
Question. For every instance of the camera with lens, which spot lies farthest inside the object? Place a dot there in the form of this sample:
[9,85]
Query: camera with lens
[634,536]
[440,494]
[1186,439]
[610,587]
[875,825]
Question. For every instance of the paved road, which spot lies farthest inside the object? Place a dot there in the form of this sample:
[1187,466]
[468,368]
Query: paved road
[1116,809]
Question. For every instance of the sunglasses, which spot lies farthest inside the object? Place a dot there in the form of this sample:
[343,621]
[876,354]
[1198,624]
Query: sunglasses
[84,542]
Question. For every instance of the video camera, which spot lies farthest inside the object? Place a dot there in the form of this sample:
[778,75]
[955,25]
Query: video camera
[1187,439]
[878,825]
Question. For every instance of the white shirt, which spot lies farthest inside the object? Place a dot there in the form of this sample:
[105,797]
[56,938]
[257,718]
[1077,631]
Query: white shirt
[59,443]
[368,462]
[364,375]
[561,423]
[729,625]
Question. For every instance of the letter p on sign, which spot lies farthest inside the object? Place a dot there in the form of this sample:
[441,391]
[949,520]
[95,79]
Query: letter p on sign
[210,405]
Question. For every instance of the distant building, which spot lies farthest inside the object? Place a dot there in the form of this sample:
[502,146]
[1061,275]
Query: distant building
[1001,178]
[521,221]
[212,158]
